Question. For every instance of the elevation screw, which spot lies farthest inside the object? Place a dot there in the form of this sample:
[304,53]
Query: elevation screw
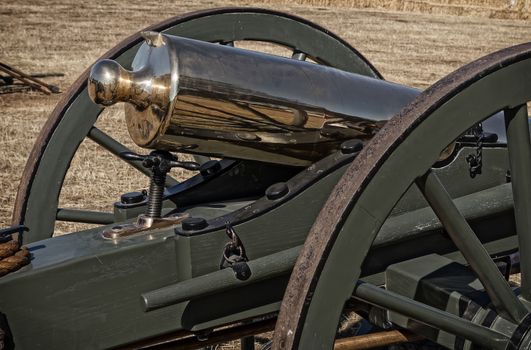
[160,163]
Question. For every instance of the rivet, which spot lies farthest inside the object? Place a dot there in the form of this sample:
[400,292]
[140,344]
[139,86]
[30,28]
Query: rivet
[194,224]
[277,191]
[351,146]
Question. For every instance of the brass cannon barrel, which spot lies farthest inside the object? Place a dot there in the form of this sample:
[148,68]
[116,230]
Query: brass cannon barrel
[204,98]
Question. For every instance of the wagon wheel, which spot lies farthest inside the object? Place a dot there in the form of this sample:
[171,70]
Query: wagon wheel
[73,119]
[328,269]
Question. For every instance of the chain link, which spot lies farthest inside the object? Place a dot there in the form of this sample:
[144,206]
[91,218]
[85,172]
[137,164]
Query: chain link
[233,251]
[234,255]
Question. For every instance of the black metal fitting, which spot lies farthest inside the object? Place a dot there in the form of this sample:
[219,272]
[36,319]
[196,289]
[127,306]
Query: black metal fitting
[5,233]
[194,224]
[203,335]
[351,146]
[277,191]
[160,163]
[475,161]
[209,168]
[132,198]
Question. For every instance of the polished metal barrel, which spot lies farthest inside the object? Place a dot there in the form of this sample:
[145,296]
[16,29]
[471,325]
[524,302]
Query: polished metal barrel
[204,98]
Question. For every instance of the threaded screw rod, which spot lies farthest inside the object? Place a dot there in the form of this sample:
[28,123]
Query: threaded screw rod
[156,190]
[160,163]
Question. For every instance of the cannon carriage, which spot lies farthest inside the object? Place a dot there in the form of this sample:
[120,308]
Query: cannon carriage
[330,189]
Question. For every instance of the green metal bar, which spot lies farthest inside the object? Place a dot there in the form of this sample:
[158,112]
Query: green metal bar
[267,267]
[518,143]
[502,297]
[116,148]
[84,216]
[431,316]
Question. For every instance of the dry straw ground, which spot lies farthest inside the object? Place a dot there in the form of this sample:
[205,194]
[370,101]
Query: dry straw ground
[410,42]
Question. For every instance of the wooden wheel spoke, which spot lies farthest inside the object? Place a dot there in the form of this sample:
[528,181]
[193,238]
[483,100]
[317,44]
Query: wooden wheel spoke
[517,125]
[503,298]
[116,148]
[84,216]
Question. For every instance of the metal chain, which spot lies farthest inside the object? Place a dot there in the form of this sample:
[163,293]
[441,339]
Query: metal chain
[233,251]
[234,255]
[475,161]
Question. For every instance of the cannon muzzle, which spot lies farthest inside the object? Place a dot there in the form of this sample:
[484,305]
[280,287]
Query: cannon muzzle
[204,98]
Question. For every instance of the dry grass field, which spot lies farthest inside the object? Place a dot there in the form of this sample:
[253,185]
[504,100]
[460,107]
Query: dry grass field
[405,44]
[410,42]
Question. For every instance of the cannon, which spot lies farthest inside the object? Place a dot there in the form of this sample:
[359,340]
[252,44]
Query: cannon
[318,189]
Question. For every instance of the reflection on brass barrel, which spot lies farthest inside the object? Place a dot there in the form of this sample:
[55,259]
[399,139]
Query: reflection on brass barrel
[197,97]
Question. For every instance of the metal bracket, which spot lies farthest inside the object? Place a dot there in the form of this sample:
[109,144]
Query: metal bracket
[142,224]
[6,233]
